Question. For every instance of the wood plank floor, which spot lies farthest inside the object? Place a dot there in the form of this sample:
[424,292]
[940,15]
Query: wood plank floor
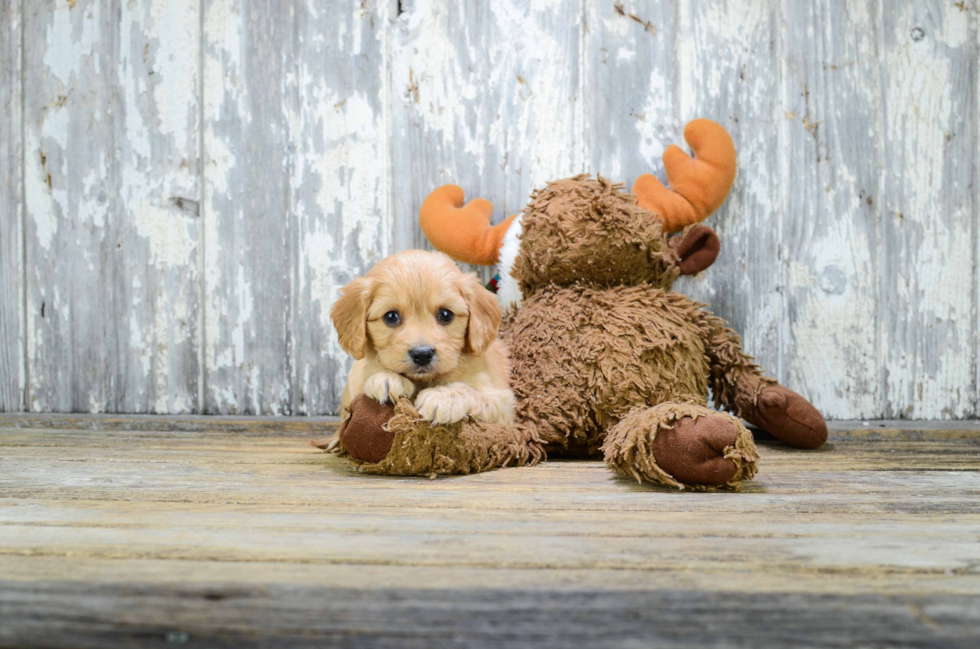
[232,532]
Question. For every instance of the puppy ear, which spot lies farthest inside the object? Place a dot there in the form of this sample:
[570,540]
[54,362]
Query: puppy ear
[349,315]
[485,314]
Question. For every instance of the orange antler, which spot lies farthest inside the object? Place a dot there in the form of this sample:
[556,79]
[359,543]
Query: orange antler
[462,231]
[699,185]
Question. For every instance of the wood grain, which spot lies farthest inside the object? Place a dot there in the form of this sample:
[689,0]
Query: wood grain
[832,125]
[12,376]
[111,217]
[729,71]
[340,182]
[630,87]
[929,215]
[486,96]
[249,50]
[201,176]
[245,535]
[297,201]
[315,616]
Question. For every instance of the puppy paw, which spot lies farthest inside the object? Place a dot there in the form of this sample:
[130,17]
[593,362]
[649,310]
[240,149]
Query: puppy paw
[388,387]
[495,406]
[442,405]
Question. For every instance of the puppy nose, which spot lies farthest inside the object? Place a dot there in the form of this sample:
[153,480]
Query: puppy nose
[422,355]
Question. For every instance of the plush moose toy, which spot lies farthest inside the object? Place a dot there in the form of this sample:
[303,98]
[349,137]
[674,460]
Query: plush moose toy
[606,358]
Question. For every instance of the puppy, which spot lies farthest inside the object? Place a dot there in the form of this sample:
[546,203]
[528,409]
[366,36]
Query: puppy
[416,325]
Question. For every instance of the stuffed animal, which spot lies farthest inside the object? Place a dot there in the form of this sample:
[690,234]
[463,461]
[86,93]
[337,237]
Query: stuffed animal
[607,360]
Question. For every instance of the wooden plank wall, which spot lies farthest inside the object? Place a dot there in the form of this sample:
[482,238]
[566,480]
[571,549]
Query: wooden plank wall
[11,213]
[200,177]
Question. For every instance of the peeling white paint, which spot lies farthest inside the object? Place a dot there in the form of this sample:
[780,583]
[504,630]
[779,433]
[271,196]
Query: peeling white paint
[929,331]
[165,229]
[78,28]
[499,97]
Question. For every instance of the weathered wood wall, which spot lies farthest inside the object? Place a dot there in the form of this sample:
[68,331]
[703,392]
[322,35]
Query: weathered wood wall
[187,183]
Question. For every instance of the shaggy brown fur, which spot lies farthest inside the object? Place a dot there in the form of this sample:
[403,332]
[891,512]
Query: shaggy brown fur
[600,337]
[589,230]
[629,446]
[469,446]
[583,357]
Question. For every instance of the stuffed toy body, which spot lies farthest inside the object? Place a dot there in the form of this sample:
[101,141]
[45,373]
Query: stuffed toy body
[607,360]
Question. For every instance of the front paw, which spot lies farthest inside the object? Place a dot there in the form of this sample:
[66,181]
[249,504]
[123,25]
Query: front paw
[388,387]
[442,405]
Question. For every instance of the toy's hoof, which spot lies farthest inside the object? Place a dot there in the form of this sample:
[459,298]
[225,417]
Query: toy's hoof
[789,417]
[693,451]
[363,434]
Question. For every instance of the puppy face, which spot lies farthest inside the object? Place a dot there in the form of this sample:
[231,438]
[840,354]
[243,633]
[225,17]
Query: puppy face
[417,314]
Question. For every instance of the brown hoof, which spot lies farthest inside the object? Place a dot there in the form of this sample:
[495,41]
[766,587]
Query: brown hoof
[693,451]
[789,417]
[363,435]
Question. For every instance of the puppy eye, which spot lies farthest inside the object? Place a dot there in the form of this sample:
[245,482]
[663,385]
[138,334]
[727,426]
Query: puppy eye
[445,316]
[392,318]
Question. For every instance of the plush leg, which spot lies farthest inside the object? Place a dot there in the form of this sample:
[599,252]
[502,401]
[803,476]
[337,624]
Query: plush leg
[682,445]
[779,411]
[740,388]
[363,435]
[397,441]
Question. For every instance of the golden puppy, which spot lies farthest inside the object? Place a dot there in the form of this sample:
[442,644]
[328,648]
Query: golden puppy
[417,325]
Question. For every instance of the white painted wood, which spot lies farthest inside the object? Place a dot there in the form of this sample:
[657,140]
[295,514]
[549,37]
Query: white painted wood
[340,180]
[728,70]
[630,87]
[169,286]
[831,157]
[111,191]
[248,59]
[11,212]
[484,95]
[929,216]
[296,204]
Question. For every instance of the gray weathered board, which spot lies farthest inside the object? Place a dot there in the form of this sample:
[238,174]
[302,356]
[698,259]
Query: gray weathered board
[185,184]
[233,532]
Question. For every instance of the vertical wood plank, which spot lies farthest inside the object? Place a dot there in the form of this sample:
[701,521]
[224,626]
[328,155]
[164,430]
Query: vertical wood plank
[728,71]
[11,212]
[111,144]
[832,159]
[484,95]
[157,148]
[340,171]
[630,95]
[248,54]
[928,258]
[69,203]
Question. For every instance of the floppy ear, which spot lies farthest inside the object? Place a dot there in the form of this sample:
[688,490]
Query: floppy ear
[349,315]
[485,314]
[696,249]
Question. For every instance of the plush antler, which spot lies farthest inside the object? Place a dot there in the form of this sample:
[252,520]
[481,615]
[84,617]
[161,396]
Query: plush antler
[462,231]
[699,185]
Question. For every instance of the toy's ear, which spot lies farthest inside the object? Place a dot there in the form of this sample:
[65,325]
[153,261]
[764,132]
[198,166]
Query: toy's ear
[349,315]
[485,316]
[696,249]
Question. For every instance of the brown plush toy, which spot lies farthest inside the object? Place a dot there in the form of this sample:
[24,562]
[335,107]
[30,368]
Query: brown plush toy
[607,360]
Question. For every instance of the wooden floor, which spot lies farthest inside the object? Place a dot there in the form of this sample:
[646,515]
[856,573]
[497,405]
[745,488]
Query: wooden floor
[227,532]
